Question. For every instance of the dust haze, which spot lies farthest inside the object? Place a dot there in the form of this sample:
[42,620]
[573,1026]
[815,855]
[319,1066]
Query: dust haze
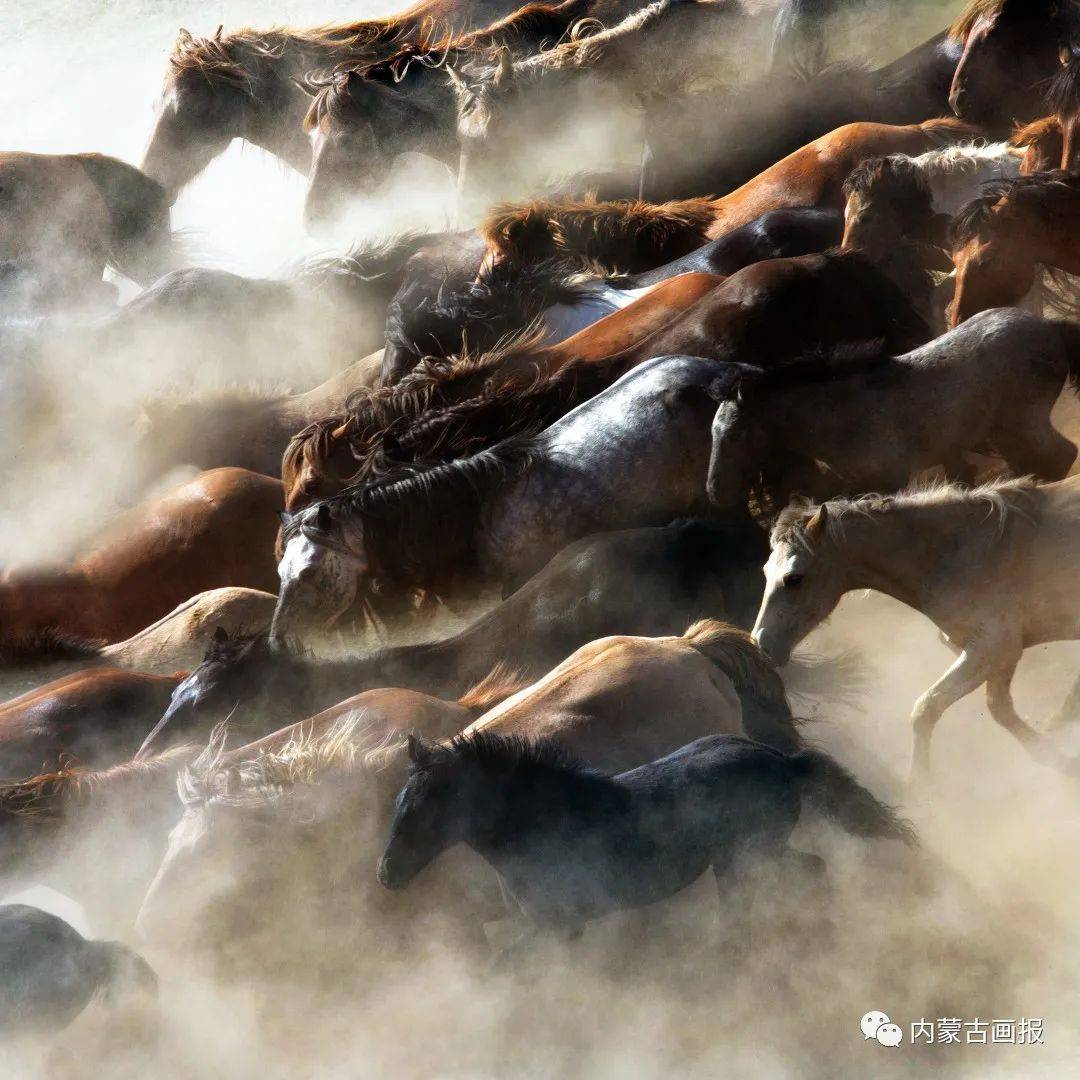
[325,978]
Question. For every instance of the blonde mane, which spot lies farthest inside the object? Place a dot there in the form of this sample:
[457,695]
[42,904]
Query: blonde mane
[1003,499]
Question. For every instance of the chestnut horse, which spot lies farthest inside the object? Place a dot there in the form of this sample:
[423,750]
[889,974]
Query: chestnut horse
[1001,239]
[1010,51]
[216,530]
[246,84]
[76,214]
[98,716]
[612,233]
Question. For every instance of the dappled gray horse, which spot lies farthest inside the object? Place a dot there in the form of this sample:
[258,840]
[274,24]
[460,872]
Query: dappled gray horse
[996,568]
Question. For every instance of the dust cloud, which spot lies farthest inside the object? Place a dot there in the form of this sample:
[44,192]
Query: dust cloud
[324,974]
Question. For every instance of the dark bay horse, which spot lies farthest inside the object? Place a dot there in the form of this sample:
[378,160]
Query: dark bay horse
[76,214]
[245,84]
[872,427]
[572,844]
[1010,51]
[218,529]
[1000,240]
[501,514]
[1063,100]
[98,716]
[51,972]
[591,589]
[614,233]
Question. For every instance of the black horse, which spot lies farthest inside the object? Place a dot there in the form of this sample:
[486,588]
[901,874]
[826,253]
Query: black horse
[572,845]
[51,972]
[648,581]
[448,304]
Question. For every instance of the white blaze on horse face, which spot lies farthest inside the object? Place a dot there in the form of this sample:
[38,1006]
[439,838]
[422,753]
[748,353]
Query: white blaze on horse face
[318,585]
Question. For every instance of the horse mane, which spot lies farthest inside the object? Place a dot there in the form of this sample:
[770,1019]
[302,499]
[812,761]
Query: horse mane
[979,9]
[43,799]
[524,758]
[420,523]
[1063,91]
[897,182]
[1026,135]
[312,446]
[610,234]
[1005,498]
[1045,195]
[496,686]
[822,365]
[961,158]
[50,645]
[361,263]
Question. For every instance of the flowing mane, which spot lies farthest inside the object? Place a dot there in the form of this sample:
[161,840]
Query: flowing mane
[1004,498]
[525,758]
[419,524]
[1063,92]
[963,158]
[899,184]
[1045,195]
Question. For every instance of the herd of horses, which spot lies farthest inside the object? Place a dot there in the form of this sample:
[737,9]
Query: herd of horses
[593,412]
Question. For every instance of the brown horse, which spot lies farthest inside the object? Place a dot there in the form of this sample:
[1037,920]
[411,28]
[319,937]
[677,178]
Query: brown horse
[1000,240]
[98,716]
[247,84]
[638,236]
[1010,52]
[1041,144]
[76,214]
[331,452]
[216,530]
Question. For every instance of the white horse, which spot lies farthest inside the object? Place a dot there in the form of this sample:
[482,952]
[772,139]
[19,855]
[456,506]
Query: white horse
[996,568]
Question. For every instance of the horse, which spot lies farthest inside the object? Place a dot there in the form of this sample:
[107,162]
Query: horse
[614,233]
[332,451]
[571,844]
[1010,51]
[98,716]
[702,678]
[874,425]
[77,214]
[1041,145]
[444,308]
[51,972]
[1063,99]
[591,589]
[936,549]
[218,529]
[361,119]
[244,84]
[502,513]
[999,240]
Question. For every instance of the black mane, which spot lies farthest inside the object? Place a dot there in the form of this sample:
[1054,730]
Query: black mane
[1063,91]
[522,757]
[1043,194]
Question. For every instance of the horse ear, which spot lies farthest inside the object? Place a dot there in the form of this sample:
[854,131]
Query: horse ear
[221,636]
[1065,55]
[217,32]
[818,523]
[504,69]
[419,751]
[456,79]
[322,518]
[285,518]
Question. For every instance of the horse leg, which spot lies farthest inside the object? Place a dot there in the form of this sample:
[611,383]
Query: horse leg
[967,672]
[1031,445]
[1000,703]
[1070,708]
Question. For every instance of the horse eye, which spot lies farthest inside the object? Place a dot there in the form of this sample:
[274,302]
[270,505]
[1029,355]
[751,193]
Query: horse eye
[793,581]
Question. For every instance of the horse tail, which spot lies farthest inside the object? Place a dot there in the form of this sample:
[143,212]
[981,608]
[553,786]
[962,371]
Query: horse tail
[766,713]
[1070,333]
[831,790]
[495,687]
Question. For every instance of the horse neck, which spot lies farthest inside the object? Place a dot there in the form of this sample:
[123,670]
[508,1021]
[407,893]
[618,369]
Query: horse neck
[902,550]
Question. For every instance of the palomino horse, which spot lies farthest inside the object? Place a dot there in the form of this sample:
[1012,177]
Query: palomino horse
[590,590]
[491,520]
[218,529]
[611,233]
[994,567]
[571,844]
[1010,52]
[1000,240]
[98,716]
[245,84]
[361,119]
[876,423]
[75,214]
